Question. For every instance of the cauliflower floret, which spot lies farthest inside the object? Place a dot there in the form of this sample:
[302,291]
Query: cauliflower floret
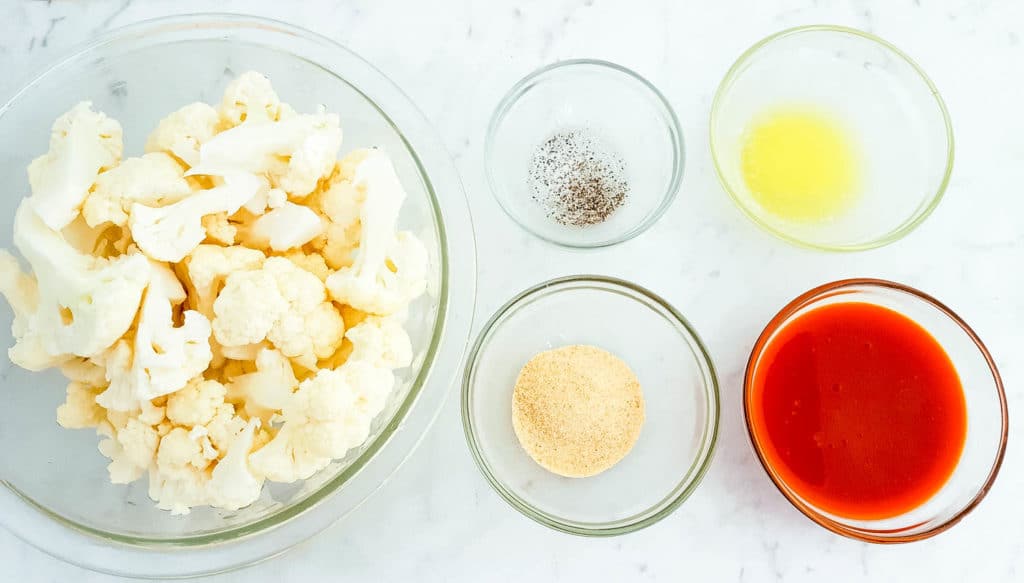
[182,132]
[131,447]
[85,371]
[170,233]
[219,230]
[79,409]
[84,303]
[153,412]
[244,352]
[270,198]
[178,493]
[251,98]
[179,453]
[119,395]
[209,265]
[309,335]
[177,481]
[287,227]
[196,404]
[165,356]
[265,392]
[282,303]
[389,270]
[247,307]
[329,414]
[388,288]
[339,203]
[155,179]
[22,293]
[381,341]
[185,476]
[295,153]
[205,365]
[106,240]
[82,143]
[311,262]
[224,427]
[233,484]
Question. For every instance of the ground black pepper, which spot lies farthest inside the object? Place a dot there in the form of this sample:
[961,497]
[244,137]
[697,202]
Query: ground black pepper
[577,180]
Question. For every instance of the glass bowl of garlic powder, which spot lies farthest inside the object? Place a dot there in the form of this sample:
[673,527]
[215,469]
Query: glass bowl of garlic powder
[574,460]
[202,210]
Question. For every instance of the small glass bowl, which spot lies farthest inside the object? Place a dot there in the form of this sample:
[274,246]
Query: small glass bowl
[987,421]
[627,114]
[680,394]
[894,111]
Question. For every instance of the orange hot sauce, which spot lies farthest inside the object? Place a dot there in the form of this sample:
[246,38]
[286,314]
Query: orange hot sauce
[859,410]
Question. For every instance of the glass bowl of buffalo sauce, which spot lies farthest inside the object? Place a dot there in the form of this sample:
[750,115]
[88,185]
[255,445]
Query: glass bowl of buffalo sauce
[876,410]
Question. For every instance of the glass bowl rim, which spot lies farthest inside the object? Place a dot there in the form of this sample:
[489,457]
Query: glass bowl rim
[824,291]
[691,478]
[444,322]
[901,230]
[662,104]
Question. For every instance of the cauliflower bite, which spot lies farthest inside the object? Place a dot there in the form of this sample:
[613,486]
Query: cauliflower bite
[155,180]
[294,313]
[82,144]
[181,133]
[229,307]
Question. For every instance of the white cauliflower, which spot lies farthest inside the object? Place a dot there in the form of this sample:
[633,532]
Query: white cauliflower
[219,229]
[251,98]
[80,410]
[131,447]
[84,303]
[265,392]
[22,293]
[224,427]
[170,233]
[294,153]
[388,287]
[182,132]
[179,453]
[196,404]
[85,371]
[209,265]
[177,481]
[271,198]
[155,179]
[329,414]
[311,262]
[165,356]
[247,307]
[339,203]
[286,227]
[182,477]
[293,312]
[233,484]
[381,341]
[106,240]
[244,352]
[389,270]
[201,316]
[82,143]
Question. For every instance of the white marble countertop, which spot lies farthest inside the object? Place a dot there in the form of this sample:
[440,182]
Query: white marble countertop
[438,520]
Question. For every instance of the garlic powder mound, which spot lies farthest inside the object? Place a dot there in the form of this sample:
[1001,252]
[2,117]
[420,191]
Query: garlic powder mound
[577,410]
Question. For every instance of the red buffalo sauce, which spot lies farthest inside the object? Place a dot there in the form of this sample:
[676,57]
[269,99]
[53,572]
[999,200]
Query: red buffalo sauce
[858,410]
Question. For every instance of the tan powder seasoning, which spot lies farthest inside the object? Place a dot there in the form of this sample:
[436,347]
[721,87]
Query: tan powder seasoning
[577,410]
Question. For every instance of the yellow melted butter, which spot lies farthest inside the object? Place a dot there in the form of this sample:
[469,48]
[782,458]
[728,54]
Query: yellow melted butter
[800,164]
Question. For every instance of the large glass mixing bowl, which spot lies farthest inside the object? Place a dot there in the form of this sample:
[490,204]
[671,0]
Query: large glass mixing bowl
[54,490]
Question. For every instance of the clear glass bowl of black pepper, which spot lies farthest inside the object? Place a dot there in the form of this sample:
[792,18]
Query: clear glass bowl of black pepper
[584,153]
